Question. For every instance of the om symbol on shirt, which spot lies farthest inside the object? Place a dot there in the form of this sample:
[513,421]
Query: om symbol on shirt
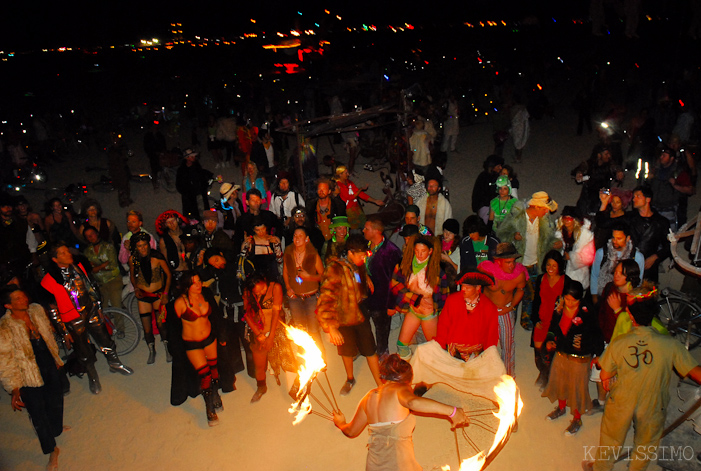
[636,355]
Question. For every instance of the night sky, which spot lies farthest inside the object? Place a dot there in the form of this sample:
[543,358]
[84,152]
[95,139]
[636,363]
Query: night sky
[28,25]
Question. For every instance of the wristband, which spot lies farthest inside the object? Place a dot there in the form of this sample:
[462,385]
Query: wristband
[455,409]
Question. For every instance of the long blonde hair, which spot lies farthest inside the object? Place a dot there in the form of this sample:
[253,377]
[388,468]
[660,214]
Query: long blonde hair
[433,270]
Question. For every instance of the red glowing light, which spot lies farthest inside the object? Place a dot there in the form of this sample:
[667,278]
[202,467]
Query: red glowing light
[681,103]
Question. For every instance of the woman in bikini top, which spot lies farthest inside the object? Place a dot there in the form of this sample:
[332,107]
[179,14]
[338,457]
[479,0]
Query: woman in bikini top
[199,339]
[194,310]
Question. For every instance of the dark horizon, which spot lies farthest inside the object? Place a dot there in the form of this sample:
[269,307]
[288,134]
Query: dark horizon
[56,25]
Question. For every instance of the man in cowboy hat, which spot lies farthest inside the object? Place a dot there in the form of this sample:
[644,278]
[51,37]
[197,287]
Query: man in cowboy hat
[467,330]
[229,207]
[533,234]
[507,291]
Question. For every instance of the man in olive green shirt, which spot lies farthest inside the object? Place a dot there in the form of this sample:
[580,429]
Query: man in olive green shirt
[636,368]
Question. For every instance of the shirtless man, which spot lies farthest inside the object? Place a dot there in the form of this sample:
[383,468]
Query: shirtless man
[150,276]
[387,412]
[506,293]
[434,208]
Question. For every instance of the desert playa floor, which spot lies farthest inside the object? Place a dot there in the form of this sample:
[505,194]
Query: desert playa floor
[132,426]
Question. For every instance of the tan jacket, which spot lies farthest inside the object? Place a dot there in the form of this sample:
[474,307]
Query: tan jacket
[340,295]
[18,367]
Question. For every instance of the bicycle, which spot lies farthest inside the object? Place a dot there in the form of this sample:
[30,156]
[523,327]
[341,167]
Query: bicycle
[124,330]
[681,314]
[121,326]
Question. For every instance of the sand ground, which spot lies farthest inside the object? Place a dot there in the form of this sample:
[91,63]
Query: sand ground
[131,424]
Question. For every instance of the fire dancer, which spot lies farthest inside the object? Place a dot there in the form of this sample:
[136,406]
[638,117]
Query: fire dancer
[387,413]
[345,286]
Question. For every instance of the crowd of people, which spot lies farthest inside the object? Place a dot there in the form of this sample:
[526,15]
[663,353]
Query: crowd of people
[217,285]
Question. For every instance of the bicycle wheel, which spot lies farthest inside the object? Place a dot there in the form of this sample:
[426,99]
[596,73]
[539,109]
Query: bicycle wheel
[131,304]
[125,331]
[683,320]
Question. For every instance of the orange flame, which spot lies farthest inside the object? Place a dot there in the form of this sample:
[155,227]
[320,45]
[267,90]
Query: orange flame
[310,365]
[510,406]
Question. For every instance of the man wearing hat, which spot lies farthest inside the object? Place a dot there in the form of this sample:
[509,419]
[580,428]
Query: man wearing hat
[334,247]
[299,219]
[191,181]
[500,206]
[508,290]
[411,217]
[229,207]
[533,234]
[284,199]
[463,353]
[214,237]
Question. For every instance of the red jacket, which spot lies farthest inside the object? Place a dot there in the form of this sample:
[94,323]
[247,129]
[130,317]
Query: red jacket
[456,326]
[66,309]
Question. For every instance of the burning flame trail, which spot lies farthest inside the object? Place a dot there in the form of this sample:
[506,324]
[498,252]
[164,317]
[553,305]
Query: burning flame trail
[510,406]
[311,364]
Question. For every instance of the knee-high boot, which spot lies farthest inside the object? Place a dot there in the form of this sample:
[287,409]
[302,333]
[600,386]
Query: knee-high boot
[212,418]
[543,371]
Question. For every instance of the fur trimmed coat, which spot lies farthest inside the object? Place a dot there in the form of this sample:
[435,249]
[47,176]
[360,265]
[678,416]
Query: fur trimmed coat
[18,366]
[516,222]
[340,295]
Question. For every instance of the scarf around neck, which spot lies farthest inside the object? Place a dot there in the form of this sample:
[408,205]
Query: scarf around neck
[416,266]
[612,259]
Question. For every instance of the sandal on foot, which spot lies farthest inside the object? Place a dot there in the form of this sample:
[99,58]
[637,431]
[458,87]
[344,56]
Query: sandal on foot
[346,389]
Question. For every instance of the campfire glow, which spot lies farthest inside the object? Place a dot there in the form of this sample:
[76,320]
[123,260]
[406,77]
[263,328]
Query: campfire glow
[311,363]
[510,406]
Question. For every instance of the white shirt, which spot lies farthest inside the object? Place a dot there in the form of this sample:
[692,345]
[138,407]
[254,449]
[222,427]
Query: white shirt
[531,255]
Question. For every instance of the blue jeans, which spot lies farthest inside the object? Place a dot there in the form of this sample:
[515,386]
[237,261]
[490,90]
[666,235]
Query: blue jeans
[528,296]
[304,316]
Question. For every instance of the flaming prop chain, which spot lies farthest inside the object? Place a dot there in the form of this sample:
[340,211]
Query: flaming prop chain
[311,363]
[510,406]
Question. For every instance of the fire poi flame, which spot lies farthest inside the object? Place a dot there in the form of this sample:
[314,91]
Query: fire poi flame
[310,365]
[507,396]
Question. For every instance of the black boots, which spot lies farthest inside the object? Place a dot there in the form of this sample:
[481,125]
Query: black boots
[93,379]
[208,396]
[169,357]
[216,398]
[543,371]
[151,353]
[116,365]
